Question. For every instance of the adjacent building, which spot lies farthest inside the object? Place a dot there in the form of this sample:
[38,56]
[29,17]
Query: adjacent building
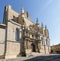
[55,49]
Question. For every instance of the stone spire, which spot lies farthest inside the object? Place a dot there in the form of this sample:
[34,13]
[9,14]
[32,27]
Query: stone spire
[45,27]
[42,28]
[22,10]
[42,25]
[37,22]
[27,14]
[46,31]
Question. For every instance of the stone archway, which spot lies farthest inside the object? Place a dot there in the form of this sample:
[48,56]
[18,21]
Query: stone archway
[33,47]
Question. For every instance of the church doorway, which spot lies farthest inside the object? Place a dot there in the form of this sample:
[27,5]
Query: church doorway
[33,47]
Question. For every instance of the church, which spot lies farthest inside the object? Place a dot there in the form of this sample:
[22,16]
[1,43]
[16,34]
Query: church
[19,36]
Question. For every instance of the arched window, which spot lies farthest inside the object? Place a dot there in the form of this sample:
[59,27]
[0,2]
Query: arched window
[17,34]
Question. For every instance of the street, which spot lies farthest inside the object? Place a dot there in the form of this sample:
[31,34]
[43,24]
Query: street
[45,58]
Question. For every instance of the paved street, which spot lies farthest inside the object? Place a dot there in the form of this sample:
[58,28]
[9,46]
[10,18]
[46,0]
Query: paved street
[36,58]
[45,58]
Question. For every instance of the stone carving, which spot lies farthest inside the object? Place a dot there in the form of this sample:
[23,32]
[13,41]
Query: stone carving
[32,37]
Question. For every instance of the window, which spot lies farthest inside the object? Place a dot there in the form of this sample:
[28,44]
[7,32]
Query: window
[17,34]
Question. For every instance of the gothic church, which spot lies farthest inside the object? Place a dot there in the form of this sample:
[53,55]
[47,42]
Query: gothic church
[19,36]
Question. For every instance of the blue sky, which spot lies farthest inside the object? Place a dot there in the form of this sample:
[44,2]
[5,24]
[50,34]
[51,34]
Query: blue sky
[47,11]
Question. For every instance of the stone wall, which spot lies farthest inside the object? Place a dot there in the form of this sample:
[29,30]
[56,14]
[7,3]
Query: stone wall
[11,13]
[44,49]
[13,49]
[2,41]
[11,30]
[13,46]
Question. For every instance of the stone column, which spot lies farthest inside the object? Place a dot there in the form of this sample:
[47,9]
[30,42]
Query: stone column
[22,47]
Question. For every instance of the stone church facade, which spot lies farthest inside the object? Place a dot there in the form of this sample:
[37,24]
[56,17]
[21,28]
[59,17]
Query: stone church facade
[19,36]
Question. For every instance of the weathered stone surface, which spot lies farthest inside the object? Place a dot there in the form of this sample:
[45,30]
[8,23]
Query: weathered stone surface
[21,35]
